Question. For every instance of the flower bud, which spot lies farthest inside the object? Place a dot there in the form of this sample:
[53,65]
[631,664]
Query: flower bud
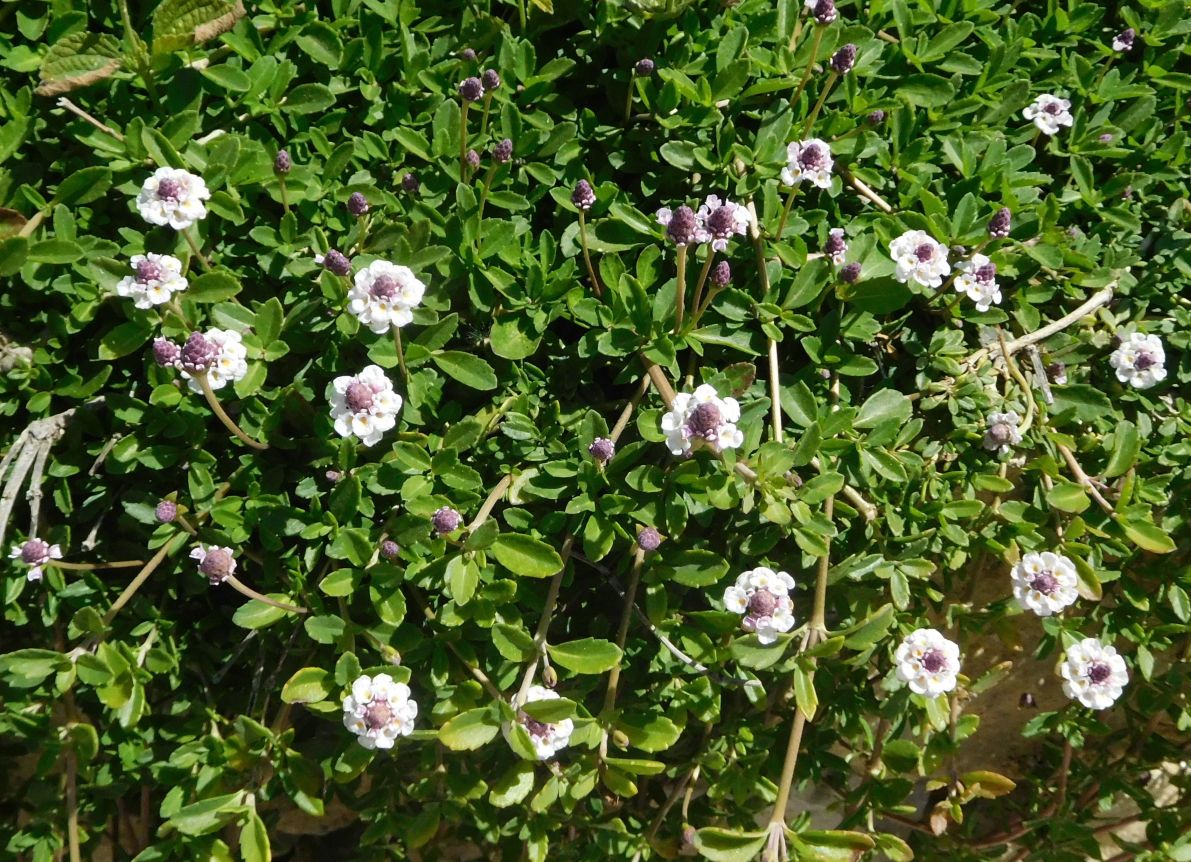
[850,274]
[389,549]
[843,60]
[166,511]
[473,159]
[35,551]
[468,54]
[998,226]
[721,276]
[198,353]
[446,520]
[602,449]
[471,89]
[825,12]
[218,565]
[337,263]
[648,539]
[875,118]
[165,352]
[550,677]
[490,80]
[620,739]
[683,226]
[583,196]
[503,151]
[282,162]
[410,183]
[1123,43]
[357,204]
[644,68]
[333,476]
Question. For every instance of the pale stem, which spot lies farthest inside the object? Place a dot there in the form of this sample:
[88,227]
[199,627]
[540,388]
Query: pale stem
[190,241]
[660,383]
[1084,480]
[218,410]
[463,172]
[175,308]
[775,392]
[623,420]
[365,223]
[1027,392]
[86,567]
[695,301]
[623,632]
[867,192]
[628,96]
[539,638]
[484,116]
[781,225]
[595,282]
[64,102]
[680,296]
[248,591]
[797,28]
[281,186]
[494,496]
[185,525]
[33,224]
[143,575]
[484,197]
[810,65]
[810,121]
[400,353]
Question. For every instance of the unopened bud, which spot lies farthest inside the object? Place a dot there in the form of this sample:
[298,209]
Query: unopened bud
[166,511]
[282,163]
[357,204]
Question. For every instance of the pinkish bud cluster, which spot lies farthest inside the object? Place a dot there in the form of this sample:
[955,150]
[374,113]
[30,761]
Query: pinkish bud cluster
[389,549]
[166,511]
[721,275]
[446,520]
[503,151]
[998,225]
[166,353]
[282,163]
[602,449]
[644,68]
[648,539]
[198,354]
[337,262]
[844,60]
[471,89]
[410,183]
[583,196]
[357,204]
[490,79]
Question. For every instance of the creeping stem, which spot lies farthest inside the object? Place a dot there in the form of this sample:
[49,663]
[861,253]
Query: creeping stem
[218,410]
[248,591]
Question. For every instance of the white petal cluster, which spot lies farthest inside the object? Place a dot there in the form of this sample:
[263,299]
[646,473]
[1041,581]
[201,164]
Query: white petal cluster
[379,710]
[702,416]
[919,258]
[364,405]
[35,553]
[808,161]
[977,279]
[173,197]
[1003,432]
[157,277]
[548,738]
[228,366]
[763,597]
[719,220]
[1093,674]
[384,295]
[1044,583]
[1049,113]
[1140,361]
[928,662]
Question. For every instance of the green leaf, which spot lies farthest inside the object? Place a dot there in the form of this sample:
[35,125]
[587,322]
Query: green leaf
[254,840]
[1126,445]
[13,252]
[588,655]
[884,405]
[512,787]
[324,629]
[868,632]
[214,286]
[308,685]
[309,99]
[693,568]
[469,730]
[804,691]
[1147,536]
[178,24]
[207,815]
[269,318]
[55,251]
[124,339]
[227,77]
[926,91]
[258,615]
[467,368]
[526,556]
[84,186]
[724,845]
[748,651]
[1067,497]
[78,60]
[463,576]
[322,43]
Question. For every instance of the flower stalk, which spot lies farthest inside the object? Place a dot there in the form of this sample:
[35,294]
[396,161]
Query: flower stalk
[591,274]
[397,343]
[218,410]
[680,295]
[194,248]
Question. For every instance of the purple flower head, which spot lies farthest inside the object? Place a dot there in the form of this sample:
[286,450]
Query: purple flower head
[850,273]
[1000,434]
[468,54]
[217,564]
[165,352]
[337,263]
[705,421]
[198,353]
[875,118]
[721,276]
[282,162]
[998,226]
[648,539]
[333,475]
[410,183]
[602,449]
[722,222]
[359,397]
[844,59]
[812,157]
[583,196]
[683,226]
[644,68]
[1123,43]
[166,511]
[473,159]
[490,80]
[934,660]
[503,151]
[357,204]
[446,520]
[389,549]
[986,273]
[383,287]
[148,270]
[471,89]
[836,246]
[169,189]
[825,12]
[35,552]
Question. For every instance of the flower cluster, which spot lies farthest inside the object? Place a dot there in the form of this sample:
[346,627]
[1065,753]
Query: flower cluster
[1093,674]
[217,563]
[379,710]
[218,354]
[836,246]
[1049,113]
[977,279]
[35,554]
[1003,432]
[704,417]
[173,197]
[1140,360]
[364,405]
[919,259]
[547,738]
[384,295]
[1044,583]
[155,278]
[928,662]
[763,597]
[808,161]
[715,222]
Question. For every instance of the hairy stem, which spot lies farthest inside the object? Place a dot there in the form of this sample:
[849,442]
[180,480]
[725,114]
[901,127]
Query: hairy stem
[697,298]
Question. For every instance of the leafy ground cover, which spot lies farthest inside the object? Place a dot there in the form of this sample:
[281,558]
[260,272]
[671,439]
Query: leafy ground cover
[586,431]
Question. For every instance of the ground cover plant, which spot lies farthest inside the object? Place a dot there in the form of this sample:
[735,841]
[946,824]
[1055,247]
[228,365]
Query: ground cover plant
[625,430]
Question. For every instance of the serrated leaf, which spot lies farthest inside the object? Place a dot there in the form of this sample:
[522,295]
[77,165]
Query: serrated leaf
[78,60]
[178,24]
[469,730]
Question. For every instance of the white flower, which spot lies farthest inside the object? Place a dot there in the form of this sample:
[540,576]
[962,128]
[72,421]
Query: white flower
[384,295]
[1049,113]
[702,416]
[379,710]
[1093,674]
[173,196]
[219,353]
[364,405]
[919,258]
[928,662]
[977,278]
[717,221]
[1044,583]
[35,553]
[808,161]
[1140,360]
[547,738]
[763,597]
[1003,432]
[157,277]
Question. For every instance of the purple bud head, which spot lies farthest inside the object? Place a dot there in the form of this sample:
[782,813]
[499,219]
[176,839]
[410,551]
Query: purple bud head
[383,287]
[705,420]
[378,714]
[875,118]
[836,244]
[35,552]
[824,12]
[198,353]
[1000,433]
[844,59]
[1099,672]
[998,226]
[602,449]
[490,80]
[762,604]
[148,270]
[1124,41]
[503,151]
[165,352]
[218,565]
[359,397]
[645,67]
[850,274]
[721,276]
[166,511]
[1045,583]
[583,196]
[986,273]
[648,539]
[333,475]
[925,252]
[282,163]
[683,226]
[337,263]
[169,189]
[722,222]
[468,54]
[446,520]
[410,183]
[473,159]
[471,89]
[812,157]
[389,549]
[357,204]
[934,661]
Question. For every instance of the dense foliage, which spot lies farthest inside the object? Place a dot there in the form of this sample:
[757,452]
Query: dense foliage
[964,414]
